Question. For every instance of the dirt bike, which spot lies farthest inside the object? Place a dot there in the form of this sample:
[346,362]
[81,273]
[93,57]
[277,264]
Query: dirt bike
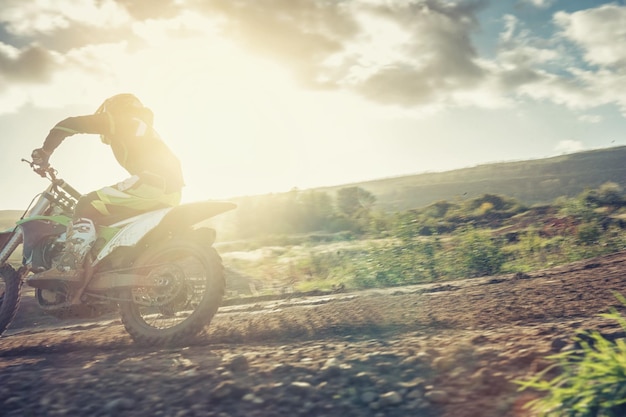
[158,269]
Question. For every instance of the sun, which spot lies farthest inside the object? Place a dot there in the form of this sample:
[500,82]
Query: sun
[238,121]
[220,108]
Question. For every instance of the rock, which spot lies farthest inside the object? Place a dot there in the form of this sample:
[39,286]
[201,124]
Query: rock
[44,401]
[250,397]
[391,398]
[481,376]
[330,372]
[558,344]
[411,362]
[300,388]
[282,369]
[239,363]
[479,340]
[368,397]
[12,400]
[119,404]
[416,394]
[363,378]
[417,383]
[539,364]
[330,369]
[444,363]
[332,362]
[437,396]
[228,389]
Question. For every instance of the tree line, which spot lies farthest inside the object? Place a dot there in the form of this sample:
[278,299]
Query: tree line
[353,211]
[298,212]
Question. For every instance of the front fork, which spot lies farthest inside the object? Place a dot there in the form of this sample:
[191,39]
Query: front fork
[17,237]
[12,243]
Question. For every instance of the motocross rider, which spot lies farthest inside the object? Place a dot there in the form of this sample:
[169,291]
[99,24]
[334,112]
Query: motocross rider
[156,180]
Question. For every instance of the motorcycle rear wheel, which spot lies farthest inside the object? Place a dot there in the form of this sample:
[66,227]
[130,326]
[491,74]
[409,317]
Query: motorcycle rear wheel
[10,286]
[190,278]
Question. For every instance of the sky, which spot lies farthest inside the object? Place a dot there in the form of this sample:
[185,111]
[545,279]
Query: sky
[263,96]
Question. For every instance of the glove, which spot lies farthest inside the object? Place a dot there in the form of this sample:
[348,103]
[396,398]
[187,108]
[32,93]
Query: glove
[40,157]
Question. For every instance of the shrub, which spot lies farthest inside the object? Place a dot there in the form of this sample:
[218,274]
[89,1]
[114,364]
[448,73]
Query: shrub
[408,262]
[476,254]
[579,208]
[592,381]
[589,233]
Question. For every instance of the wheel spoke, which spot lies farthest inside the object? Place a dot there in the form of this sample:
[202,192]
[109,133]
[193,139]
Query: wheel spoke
[186,288]
[183,282]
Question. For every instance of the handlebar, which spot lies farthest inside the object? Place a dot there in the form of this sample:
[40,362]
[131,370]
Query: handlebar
[51,174]
[44,171]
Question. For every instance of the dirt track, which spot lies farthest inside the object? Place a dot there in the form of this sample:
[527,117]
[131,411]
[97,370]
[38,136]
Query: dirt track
[437,350]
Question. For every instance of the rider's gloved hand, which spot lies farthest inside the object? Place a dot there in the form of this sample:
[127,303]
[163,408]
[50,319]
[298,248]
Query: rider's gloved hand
[40,157]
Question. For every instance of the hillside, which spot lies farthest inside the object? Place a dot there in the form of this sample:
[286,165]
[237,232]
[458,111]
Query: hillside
[530,182]
[8,218]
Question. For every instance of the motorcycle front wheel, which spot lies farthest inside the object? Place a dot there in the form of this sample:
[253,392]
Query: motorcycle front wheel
[189,287]
[10,285]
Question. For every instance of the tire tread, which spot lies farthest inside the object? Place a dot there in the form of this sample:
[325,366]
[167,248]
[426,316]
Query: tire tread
[189,328]
[11,298]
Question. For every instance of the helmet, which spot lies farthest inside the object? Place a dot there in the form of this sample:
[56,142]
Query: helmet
[125,105]
[121,104]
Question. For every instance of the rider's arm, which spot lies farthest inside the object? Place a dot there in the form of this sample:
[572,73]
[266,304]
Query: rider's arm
[93,123]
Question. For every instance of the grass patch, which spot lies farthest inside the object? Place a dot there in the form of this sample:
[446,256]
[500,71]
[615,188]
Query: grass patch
[371,263]
[591,381]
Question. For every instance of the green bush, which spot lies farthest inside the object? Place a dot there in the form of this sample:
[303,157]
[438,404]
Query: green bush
[393,264]
[579,208]
[532,251]
[589,233]
[592,379]
[475,254]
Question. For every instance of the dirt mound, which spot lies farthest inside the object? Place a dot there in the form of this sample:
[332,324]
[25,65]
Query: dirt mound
[433,350]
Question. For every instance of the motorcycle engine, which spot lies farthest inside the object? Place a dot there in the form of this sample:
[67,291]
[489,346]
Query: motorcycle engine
[46,251]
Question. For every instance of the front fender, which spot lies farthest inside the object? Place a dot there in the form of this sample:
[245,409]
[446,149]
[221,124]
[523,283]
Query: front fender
[159,223]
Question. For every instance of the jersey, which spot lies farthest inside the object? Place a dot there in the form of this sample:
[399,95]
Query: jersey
[136,146]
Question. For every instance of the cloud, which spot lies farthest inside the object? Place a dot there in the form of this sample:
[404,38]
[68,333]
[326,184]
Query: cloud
[569,146]
[580,66]
[37,17]
[590,118]
[598,32]
[396,52]
[435,60]
[541,4]
[411,54]
[62,25]
[153,9]
[300,34]
[32,64]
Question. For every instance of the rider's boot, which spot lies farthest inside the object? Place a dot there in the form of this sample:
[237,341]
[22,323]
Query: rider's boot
[68,268]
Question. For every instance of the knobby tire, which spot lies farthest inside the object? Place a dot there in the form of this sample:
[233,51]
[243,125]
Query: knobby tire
[143,332]
[10,298]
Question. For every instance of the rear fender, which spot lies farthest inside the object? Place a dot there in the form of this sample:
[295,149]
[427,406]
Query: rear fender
[156,225]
